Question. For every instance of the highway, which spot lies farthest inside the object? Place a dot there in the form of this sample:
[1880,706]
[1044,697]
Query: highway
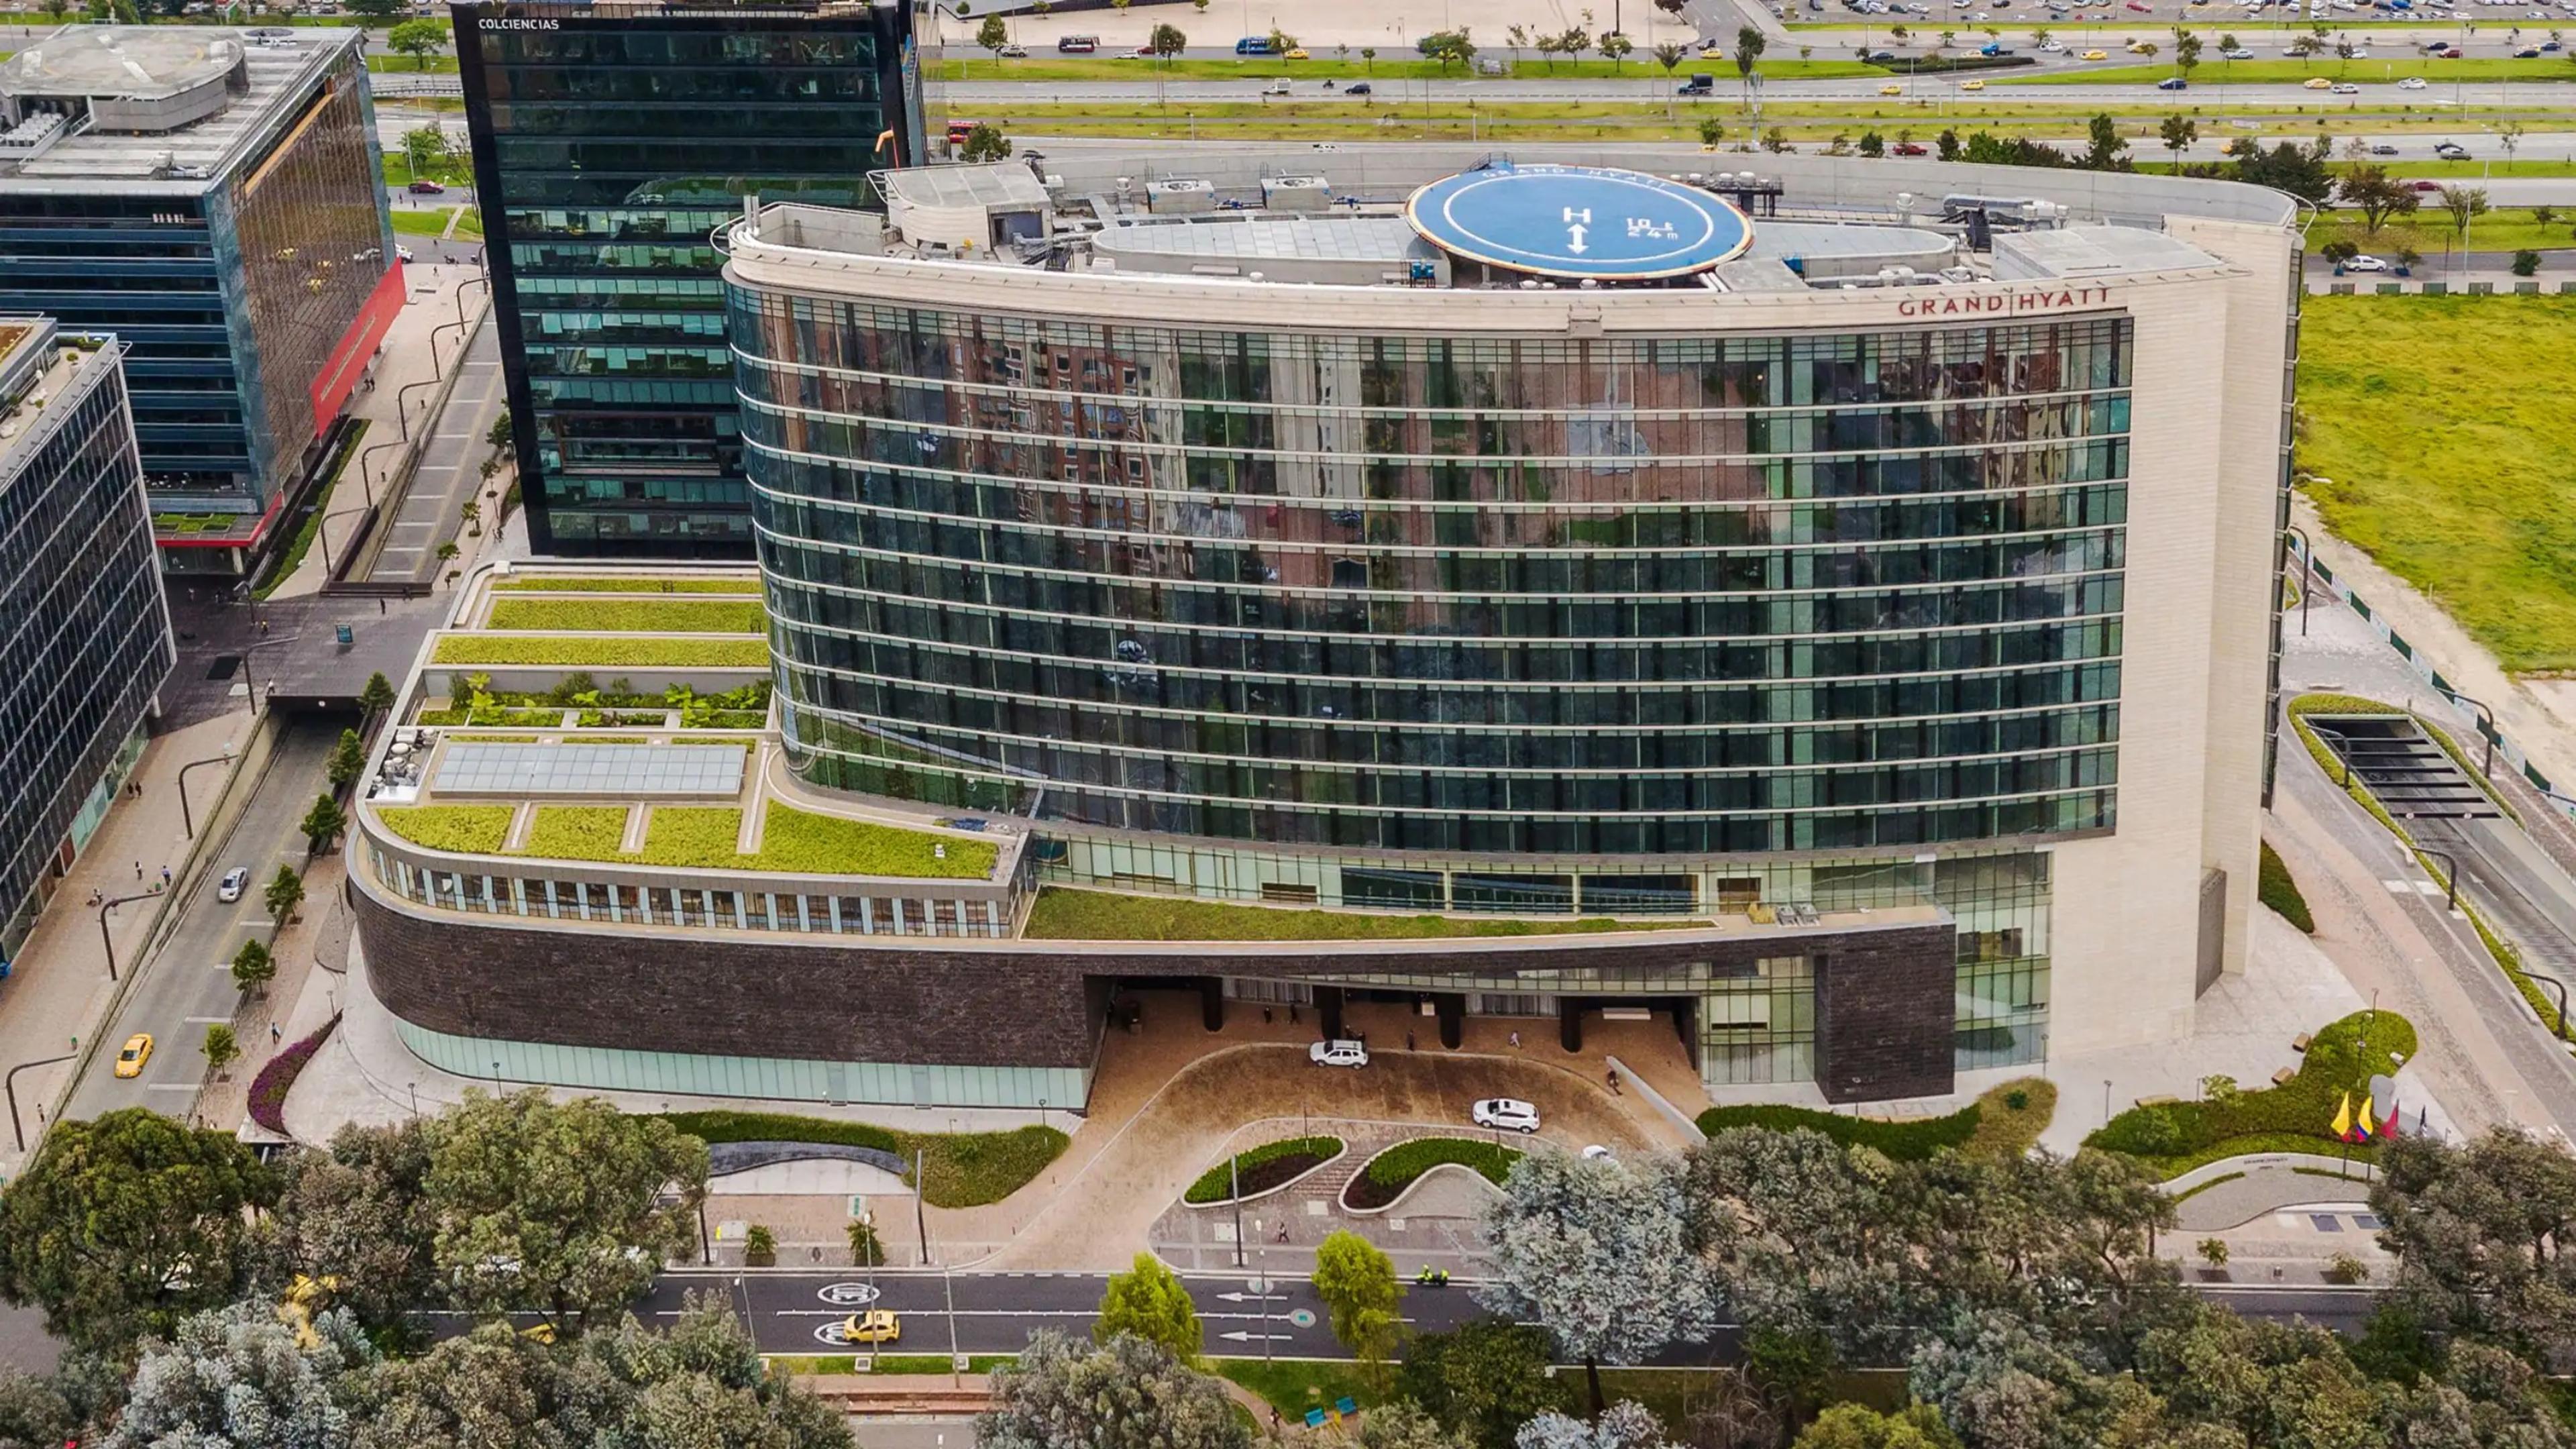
[187,985]
[798,1311]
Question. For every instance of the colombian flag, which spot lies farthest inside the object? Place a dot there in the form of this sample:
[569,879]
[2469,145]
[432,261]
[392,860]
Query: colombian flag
[2343,1119]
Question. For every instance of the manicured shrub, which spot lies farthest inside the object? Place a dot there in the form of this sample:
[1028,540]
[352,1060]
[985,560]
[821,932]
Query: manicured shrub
[1392,1171]
[524,584]
[638,653]
[268,1090]
[2278,890]
[1909,1141]
[960,1169]
[1263,1168]
[2340,1061]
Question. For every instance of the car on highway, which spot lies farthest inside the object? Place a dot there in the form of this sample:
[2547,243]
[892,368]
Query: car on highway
[1296,52]
[2096,55]
[423,186]
[2553,47]
[2345,88]
[1013,51]
[137,1051]
[403,252]
[2173,83]
[2317,83]
[1508,1114]
[2411,83]
[1891,90]
[2053,46]
[2364,263]
[1911,148]
[2384,148]
[2238,53]
[229,889]
[877,1325]
[2528,52]
[1972,85]
[2450,150]
[1340,1052]
[1359,88]
[2428,185]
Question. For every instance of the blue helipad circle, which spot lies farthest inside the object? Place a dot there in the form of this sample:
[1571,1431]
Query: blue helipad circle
[1579,221]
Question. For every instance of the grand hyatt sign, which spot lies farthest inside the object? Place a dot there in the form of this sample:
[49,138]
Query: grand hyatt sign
[1993,304]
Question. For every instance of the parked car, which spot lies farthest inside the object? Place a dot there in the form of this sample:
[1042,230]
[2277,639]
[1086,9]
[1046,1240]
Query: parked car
[138,1050]
[1506,1113]
[1340,1052]
[2173,83]
[2364,263]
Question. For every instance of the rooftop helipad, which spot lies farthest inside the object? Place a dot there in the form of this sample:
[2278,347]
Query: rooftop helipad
[1579,222]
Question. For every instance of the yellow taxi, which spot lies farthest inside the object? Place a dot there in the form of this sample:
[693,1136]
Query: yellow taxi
[2317,83]
[2137,47]
[877,1325]
[138,1050]
[1298,52]
[1891,90]
[2096,55]
[1972,85]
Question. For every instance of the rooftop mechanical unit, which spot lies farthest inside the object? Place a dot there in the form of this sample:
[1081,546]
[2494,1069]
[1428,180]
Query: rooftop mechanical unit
[1296,193]
[1181,196]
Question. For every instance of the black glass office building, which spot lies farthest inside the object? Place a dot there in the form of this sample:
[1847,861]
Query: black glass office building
[611,142]
[84,634]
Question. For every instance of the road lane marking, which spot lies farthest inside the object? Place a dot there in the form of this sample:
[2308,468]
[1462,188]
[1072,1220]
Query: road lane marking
[168,1087]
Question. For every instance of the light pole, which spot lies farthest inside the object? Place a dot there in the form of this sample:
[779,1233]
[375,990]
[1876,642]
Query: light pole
[322,531]
[402,395]
[2307,573]
[484,281]
[2551,981]
[2486,764]
[187,819]
[11,1082]
[366,479]
[2450,870]
[106,942]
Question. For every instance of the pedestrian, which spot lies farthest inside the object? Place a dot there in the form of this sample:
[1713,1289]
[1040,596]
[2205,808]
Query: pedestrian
[138,870]
[276,1034]
[1614,1082]
[1516,1041]
[1283,1230]
[1408,1041]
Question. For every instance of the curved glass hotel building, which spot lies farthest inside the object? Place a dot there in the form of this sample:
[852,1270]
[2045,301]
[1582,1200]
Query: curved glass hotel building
[1839,598]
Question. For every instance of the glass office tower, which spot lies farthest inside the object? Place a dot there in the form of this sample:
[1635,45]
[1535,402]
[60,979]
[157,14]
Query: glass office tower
[610,142]
[84,633]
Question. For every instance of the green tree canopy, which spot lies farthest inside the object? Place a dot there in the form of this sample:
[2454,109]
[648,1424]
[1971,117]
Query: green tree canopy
[323,823]
[1356,1280]
[1594,1250]
[1126,1393]
[1483,1380]
[285,892]
[253,966]
[1150,1302]
[419,39]
[126,1224]
[357,1212]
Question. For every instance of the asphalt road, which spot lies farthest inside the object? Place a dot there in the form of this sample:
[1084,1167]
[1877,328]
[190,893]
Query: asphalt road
[450,467]
[801,1312]
[188,985]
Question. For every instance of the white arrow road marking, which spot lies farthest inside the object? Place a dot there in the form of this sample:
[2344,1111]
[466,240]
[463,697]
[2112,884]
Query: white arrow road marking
[1576,245]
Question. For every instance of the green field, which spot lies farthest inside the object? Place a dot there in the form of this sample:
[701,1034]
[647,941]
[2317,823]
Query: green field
[2374,73]
[2437,440]
[2471,170]
[405,65]
[2429,231]
[1640,68]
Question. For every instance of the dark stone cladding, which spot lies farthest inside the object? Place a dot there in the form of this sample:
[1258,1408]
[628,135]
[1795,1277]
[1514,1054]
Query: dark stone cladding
[975,1003]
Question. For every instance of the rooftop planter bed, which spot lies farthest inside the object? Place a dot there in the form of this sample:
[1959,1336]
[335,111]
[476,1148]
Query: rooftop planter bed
[1389,1173]
[577,832]
[1261,1169]
[1063,914]
[958,1169]
[459,829]
[596,653]
[793,842]
[638,616]
[523,584]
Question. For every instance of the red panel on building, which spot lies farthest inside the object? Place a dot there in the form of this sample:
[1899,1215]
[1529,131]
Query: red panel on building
[348,361]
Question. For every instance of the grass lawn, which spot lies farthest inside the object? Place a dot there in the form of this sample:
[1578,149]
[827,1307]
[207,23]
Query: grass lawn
[1294,1385]
[2280,891]
[959,1169]
[593,653]
[406,65]
[2006,1130]
[421,221]
[628,584]
[2376,72]
[1078,915]
[1387,67]
[2480,511]
[2429,232]
[2471,169]
[464,829]
[2297,1116]
[640,616]
[791,841]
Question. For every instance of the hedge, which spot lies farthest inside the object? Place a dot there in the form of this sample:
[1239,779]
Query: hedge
[2340,1061]
[637,616]
[463,829]
[1392,1171]
[2276,888]
[959,1169]
[268,1090]
[638,653]
[1285,1161]
[1913,1140]
[523,584]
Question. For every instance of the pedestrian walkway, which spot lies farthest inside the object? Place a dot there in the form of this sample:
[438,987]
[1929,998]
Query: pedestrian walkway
[58,991]
[1435,1224]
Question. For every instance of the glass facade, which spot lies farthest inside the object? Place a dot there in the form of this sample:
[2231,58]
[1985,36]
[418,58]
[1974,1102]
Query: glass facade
[1695,595]
[84,634]
[228,300]
[608,145]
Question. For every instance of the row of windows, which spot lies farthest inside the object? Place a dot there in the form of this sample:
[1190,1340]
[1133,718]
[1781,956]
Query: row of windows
[681,906]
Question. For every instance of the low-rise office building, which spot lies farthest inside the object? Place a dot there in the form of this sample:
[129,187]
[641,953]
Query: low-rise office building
[215,198]
[84,632]
[1831,610]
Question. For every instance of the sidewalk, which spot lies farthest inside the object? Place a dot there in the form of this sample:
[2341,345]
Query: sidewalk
[226,1104]
[58,988]
[428,318]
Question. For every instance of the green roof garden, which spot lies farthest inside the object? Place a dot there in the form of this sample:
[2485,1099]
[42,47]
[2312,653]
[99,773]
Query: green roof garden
[635,616]
[625,584]
[592,652]
[792,841]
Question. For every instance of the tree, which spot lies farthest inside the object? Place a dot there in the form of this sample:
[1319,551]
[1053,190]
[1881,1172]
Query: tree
[993,34]
[2178,132]
[1615,48]
[1168,41]
[1775,140]
[2187,54]
[419,39]
[1483,1380]
[1711,131]
[373,9]
[322,823]
[866,1248]
[237,1375]
[378,696]
[2526,263]
[126,1224]
[1149,1302]
[253,967]
[1403,1424]
[2542,216]
[1449,47]
[2103,145]
[1749,44]
[1123,1394]
[2481,1234]
[1574,42]
[2465,204]
[2344,50]
[1946,145]
[1669,56]
[2376,195]
[2305,48]
[1872,144]
[1856,1426]
[1624,1425]
[221,1049]
[1356,1280]
[564,1208]
[985,143]
[2213,1251]
[426,149]
[2508,134]
[2287,166]
[348,759]
[285,892]
[1592,1250]
[355,1214]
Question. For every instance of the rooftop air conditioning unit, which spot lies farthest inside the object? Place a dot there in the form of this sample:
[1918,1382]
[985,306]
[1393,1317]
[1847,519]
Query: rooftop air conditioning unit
[1296,193]
[1181,196]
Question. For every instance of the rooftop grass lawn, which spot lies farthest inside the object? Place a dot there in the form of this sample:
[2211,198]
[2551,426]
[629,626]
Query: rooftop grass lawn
[622,584]
[1077,915]
[635,616]
[595,653]
[2423,450]
[464,829]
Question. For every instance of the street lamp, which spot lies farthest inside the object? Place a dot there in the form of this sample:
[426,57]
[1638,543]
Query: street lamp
[322,531]
[483,281]
[2486,765]
[187,819]
[366,480]
[107,942]
[2450,870]
[2551,981]
[11,1082]
[402,395]
[2307,573]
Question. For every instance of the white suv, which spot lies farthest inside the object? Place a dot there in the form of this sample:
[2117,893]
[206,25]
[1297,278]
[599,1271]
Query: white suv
[1506,1113]
[1344,1053]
